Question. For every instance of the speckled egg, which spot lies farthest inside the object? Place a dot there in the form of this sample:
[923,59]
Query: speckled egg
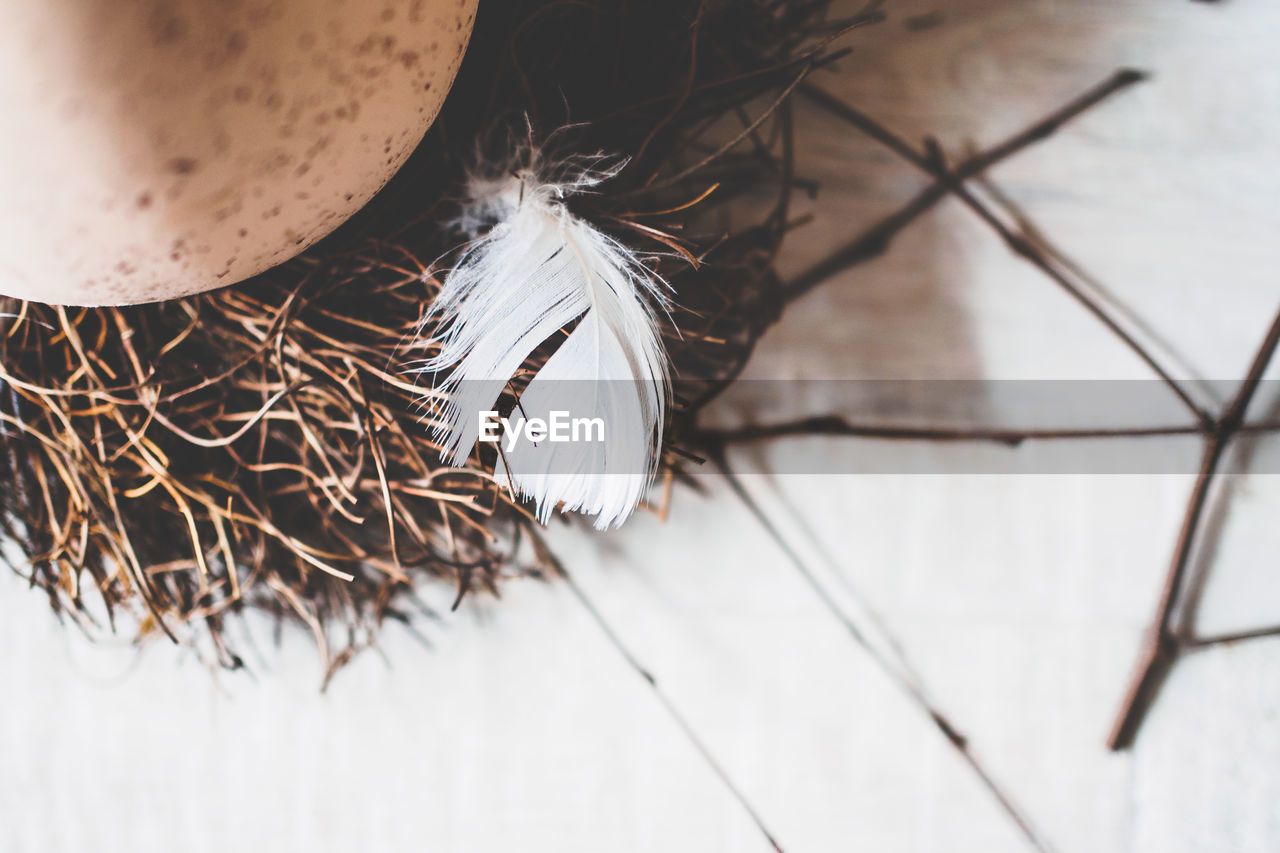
[151,149]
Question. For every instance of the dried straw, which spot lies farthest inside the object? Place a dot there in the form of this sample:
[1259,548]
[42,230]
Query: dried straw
[261,447]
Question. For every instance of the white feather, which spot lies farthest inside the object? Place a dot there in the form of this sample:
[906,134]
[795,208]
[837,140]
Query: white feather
[536,271]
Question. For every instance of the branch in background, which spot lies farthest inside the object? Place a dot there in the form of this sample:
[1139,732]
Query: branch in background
[552,563]
[875,240]
[1230,638]
[1018,238]
[1160,646]
[897,671]
[836,425]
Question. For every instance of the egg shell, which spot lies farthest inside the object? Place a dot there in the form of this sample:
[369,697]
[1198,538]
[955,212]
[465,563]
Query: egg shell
[150,150]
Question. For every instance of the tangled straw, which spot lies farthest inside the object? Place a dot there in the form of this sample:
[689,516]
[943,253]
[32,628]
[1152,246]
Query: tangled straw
[257,447]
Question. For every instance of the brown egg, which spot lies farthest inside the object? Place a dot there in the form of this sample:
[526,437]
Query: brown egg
[154,148]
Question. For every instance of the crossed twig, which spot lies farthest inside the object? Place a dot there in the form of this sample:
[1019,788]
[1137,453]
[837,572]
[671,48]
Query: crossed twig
[1162,643]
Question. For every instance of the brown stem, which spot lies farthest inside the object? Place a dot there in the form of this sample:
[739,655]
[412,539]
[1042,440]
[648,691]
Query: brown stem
[1160,646]
[550,561]
[835,425]
[895,671]
[1021,244]
[1229,637]
[875,240]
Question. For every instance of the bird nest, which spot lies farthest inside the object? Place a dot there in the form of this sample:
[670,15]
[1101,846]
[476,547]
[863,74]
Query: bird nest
[261,446]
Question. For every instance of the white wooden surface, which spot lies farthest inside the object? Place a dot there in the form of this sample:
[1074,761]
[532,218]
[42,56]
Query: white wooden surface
[1019,599]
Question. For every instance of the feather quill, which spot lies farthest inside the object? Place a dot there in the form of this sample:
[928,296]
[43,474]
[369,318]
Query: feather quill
[536,271]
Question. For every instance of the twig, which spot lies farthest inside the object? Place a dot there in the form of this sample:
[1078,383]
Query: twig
[549,559]
[896,672]
[1228,638]
[876,239]
[1160,646]
[1084,281]
[835,425]
[1022,244]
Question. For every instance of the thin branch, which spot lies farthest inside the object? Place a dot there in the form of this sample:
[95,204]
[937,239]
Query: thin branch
[1084,281]
[1025,247]
[835,425]
[896,672]
[1022,244]
[1229,638]
[1160,646]
[876,239]
[549,559]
